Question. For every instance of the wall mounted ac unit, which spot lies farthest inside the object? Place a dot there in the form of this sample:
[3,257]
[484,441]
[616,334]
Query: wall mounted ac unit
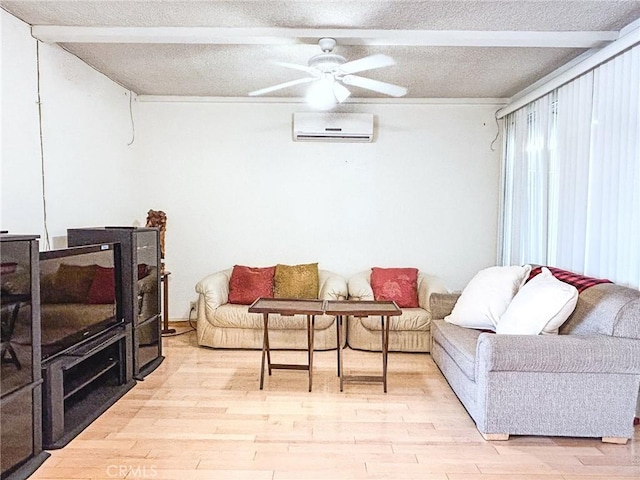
[333,127]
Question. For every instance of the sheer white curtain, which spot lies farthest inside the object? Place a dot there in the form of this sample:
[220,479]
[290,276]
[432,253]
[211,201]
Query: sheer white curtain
[572,176]
[529,134]
[613,223]
[573,165]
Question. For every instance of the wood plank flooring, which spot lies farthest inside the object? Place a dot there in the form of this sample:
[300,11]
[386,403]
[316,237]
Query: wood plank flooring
[201,416]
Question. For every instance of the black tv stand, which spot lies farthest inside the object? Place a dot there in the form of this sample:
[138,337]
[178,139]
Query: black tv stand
[83,383]
[141,269]
[148,368]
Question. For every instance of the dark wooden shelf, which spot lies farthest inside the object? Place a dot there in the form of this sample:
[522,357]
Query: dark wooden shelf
[80,386]
[76,384]
[80,415]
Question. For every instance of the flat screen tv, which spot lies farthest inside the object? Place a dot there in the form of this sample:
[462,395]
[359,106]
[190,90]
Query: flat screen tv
[80,292]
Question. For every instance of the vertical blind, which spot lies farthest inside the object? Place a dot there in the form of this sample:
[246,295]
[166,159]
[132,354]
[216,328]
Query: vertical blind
[571,176]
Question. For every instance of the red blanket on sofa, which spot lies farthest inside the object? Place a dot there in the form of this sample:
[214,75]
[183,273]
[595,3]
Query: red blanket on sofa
[579,281]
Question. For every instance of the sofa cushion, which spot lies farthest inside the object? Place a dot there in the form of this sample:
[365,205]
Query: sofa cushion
[411,320]
[487,296]
[397,284]
[331,286]
[460,343]
[542,305]
[296,281]
[558,354]
[608,309]
[238,316]
[250,283]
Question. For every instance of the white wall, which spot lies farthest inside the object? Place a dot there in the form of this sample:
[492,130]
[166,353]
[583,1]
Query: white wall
[238,190]
[20,199]
[235,187]
[86,127]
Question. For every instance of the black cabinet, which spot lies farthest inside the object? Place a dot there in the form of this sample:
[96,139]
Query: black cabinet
[20,379]
[141,269]
[83,383]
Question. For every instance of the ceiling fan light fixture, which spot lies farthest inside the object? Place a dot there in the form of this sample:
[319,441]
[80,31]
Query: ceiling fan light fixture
[327,62]
[327,44]
[329,71]
[341,92]
[320,94]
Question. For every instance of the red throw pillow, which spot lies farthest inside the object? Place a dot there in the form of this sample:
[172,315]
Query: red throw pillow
[250,283]
[397,284]
[103,287]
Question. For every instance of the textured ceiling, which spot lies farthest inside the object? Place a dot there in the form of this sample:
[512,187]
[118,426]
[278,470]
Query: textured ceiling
[231,68]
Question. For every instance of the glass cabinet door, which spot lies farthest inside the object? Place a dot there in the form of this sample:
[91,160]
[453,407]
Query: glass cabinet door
[147,254]
[147,339]
[16,425]
[15,315]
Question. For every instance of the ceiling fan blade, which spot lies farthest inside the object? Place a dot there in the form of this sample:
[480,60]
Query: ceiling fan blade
[367,63]
[341,92]
[281,85]
[375,85]
[296,66]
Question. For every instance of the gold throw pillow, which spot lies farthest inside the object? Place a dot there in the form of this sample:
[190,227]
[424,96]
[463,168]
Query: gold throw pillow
[296,281]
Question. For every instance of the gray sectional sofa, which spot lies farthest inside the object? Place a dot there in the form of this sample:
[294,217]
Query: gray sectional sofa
[583,382]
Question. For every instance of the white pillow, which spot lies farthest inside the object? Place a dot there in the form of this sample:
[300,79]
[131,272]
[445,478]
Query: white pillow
[541,306]
[487,296]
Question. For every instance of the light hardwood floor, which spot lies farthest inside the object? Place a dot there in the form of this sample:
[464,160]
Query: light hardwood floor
[200,415]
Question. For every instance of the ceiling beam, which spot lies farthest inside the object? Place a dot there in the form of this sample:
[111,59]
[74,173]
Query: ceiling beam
[498,102]
[274,36]
[560,77]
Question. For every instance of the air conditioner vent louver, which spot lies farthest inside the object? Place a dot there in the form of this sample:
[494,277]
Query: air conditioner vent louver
[333,127]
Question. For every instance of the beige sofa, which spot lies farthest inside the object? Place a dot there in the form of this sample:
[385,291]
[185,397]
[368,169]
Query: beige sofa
[410,332]
[224,325]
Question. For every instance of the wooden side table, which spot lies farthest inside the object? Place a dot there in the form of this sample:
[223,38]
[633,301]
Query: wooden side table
[164,278]
[364,308]
[287,308]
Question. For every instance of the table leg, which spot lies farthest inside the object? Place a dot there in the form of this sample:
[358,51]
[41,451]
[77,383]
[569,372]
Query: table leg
[266,336]
[385,349]
[265,349]
[339,319]
[339,340]
[165,307]
[311,329]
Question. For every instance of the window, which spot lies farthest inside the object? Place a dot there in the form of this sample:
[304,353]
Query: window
[571,176]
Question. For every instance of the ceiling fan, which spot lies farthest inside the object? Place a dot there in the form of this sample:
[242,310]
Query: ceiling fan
[330,73]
